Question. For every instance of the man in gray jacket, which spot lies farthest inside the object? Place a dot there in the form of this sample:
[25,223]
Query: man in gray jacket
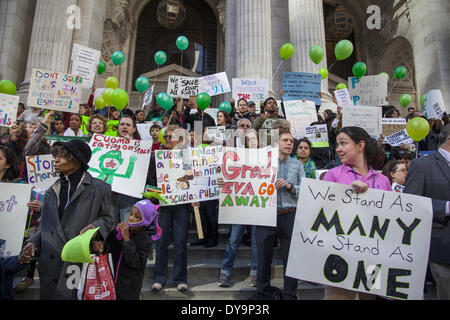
[76,203]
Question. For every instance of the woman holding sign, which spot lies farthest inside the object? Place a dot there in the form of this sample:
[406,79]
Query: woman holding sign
[357,151]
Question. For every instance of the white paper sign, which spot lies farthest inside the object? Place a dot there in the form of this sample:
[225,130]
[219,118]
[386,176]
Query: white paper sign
[13,216]
[182,87]
[8,109]
[368,118]
[300,114]
[85,64]
[376,242]
[216,133]
[434,105]
[343,97]
[250,89]
[215,84]
[144,131]
[41,171]
[317,135]
[148,97]
[369,90]
[398,138]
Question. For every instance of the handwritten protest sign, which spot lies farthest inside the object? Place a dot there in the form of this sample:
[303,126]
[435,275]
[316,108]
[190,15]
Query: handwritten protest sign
[85,63]
[368,90]
[248,195]
[343,97]
[189,175]
[398,138]
[300,114]
[41,171]
[318,135]
[182,87]
[13,216]
[300,85]
[148,97]
[434,105]
[250,89]
[376,242]
[55,91]
[392,125]
[368,118]
[8,109]
[215,84]
[121,163]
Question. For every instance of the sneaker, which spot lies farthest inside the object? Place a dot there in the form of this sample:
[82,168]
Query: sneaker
[253,280]
[23,284]
[182,287]
[224,280]
[156,287]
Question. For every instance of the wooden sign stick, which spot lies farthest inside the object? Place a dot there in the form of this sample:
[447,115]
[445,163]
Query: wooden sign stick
[198,222]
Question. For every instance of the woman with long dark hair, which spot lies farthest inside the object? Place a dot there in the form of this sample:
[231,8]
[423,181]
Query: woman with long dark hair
[9,165]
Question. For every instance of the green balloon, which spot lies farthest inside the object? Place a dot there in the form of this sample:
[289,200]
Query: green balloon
[8,87]
[107,96]
[316,54]
[359,69]
[341,86]
[142,84]
[118,58]
[418,128]
[343,49]
[225,106]
[203,101]
[385,74]
[182,43]
[405,100]
[287,50]
[112,83]
[400,72]
[160,58]
[120,99]
[100,103]
[324,73]
[423,99]
[164,101]
[101,67]
[161,135]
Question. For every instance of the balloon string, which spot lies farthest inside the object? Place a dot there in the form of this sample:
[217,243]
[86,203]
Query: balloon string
[181,66]
[395,83]
[154,81]
[278,68]
[329,68]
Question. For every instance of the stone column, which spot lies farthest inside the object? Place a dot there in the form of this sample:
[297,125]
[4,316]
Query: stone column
[307,29]
[230,42]
[93,15]
[51,39]
[254,39]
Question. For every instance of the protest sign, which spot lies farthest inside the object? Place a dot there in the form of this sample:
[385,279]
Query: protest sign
[52,139]
[398,138]
[121,163]
[250,89]
[376,242]
[8,109]
[13,216]
[148,97]
[318,136]
[369,90]
[343,97]
[182,87]
[55,91]
[300,114]
[368,118]
[392,125]
[85,64]
[216,133]
[189,175]
[144,131]
[248,195]
[215,84]
[434,105]
[41,171]
[320,174]
[300,85]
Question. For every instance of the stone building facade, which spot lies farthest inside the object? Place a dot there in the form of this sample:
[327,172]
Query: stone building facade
[241,37]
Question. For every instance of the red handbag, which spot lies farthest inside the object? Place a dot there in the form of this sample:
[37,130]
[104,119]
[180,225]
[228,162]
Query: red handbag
[97,279]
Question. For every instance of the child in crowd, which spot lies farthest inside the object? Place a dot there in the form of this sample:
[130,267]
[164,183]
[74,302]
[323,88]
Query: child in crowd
[130,244]
[154,132]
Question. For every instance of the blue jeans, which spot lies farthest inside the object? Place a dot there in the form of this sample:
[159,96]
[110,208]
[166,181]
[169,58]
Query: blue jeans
[174,220]
[237,231]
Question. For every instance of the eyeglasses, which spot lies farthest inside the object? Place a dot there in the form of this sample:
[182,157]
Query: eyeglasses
[167,137]
[244,126]
[401,170]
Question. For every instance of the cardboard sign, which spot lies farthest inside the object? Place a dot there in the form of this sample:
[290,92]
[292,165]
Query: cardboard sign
[189,175]
[300,114]
[41,171]
[248,195]
[398,138]
[250,89]
[55,91]
[343,97]
[369,90]
[368,118]
[85,64]
[8,109]
[434,105]
[13,216]
[121,163]
[215,84]
[318,135]
[300,85]
[392,125]
[182,87]
[376,242]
